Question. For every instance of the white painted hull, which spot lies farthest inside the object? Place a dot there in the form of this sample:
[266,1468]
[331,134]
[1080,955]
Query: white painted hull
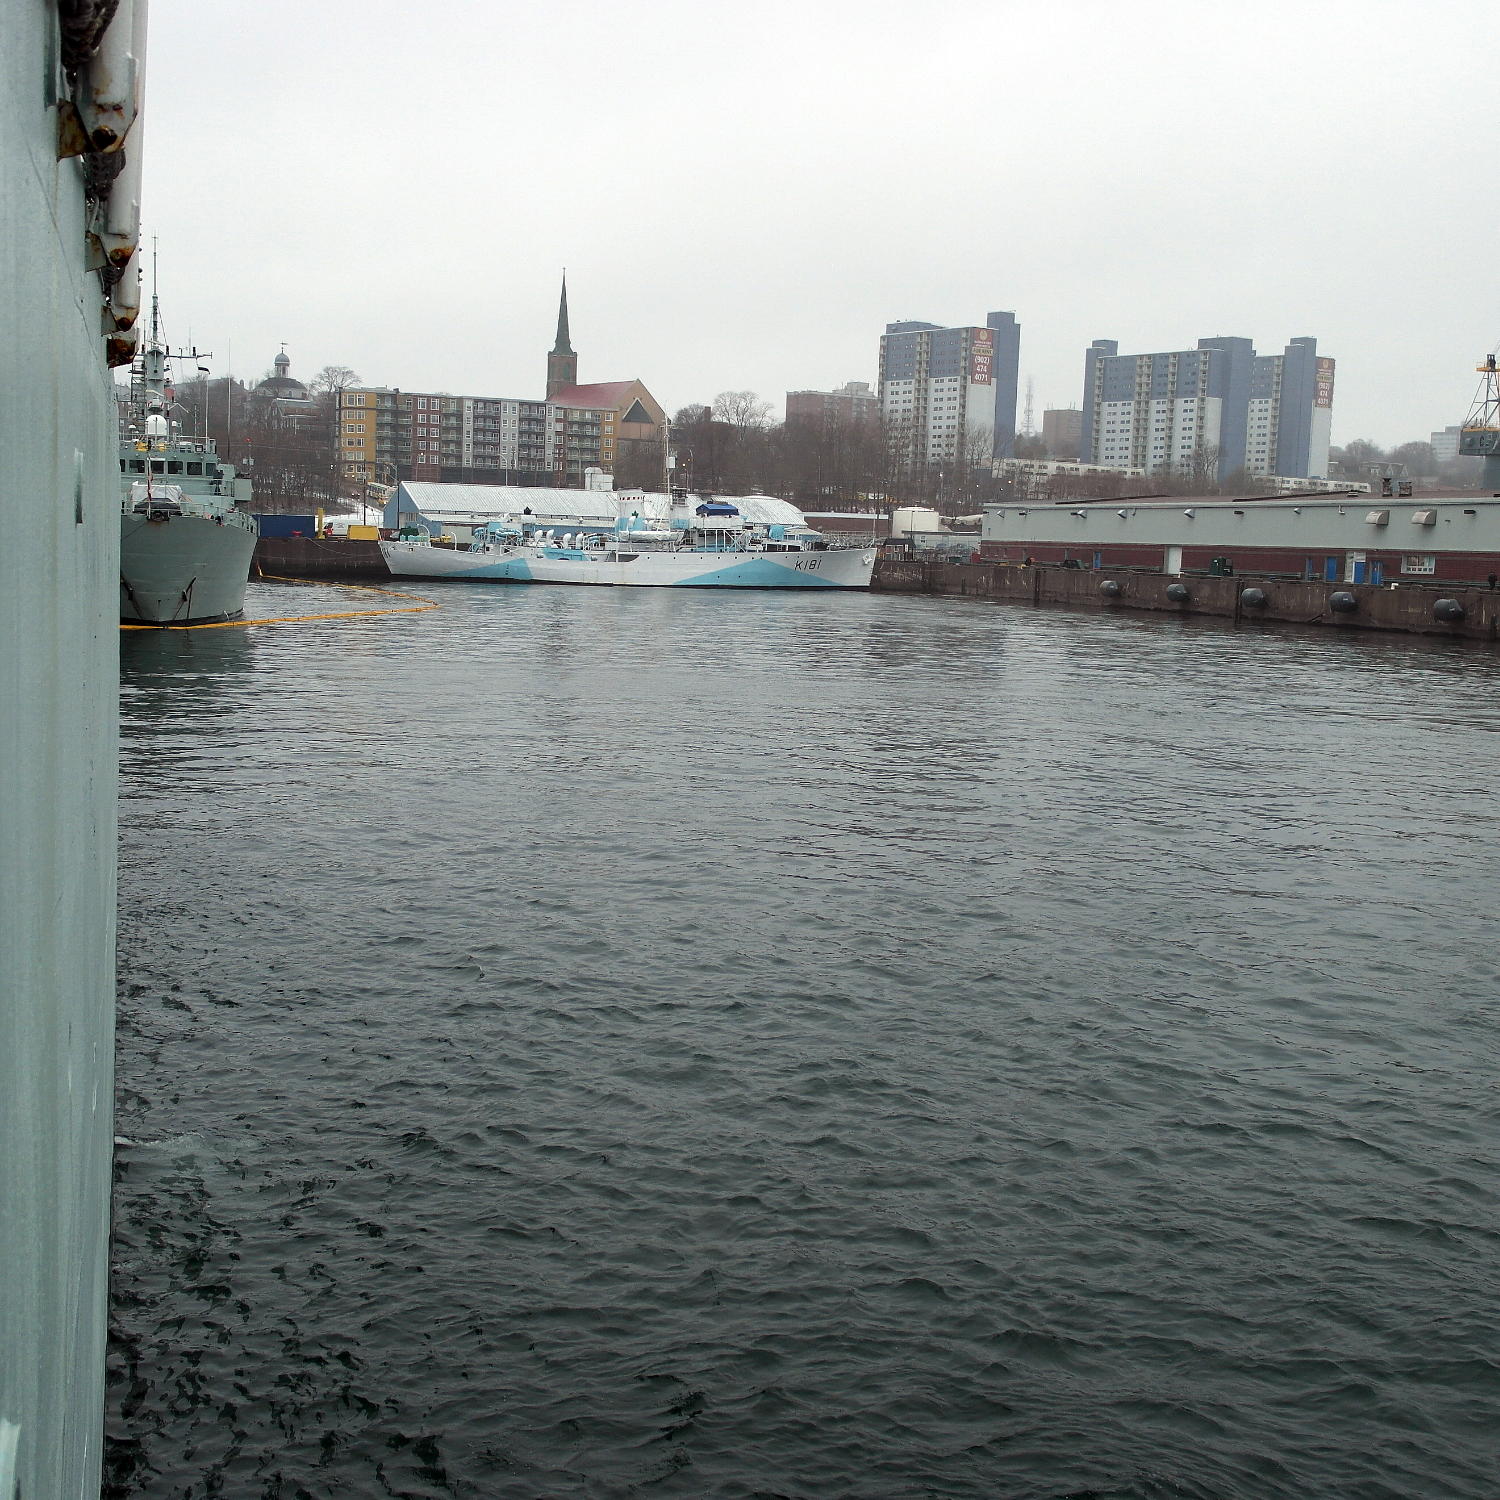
[183,570]
[849,569]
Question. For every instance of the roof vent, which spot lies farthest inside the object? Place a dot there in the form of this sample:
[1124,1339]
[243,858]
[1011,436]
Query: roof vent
[1378,517]
[1424,518]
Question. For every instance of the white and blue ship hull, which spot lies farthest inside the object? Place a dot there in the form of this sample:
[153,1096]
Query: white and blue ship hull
[683,568]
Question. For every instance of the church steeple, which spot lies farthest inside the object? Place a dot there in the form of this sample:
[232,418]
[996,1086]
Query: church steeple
[562,346]
[562,362]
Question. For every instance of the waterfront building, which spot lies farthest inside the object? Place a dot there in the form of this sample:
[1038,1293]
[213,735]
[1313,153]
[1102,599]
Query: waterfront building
[948,395]
[1062,432]
[1348,537]
[854,404]
[387,434]
[1215,409]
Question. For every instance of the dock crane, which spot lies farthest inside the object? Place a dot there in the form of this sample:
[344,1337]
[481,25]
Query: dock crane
[1479,437]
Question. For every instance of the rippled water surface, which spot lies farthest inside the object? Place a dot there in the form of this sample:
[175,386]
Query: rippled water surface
[612,1043]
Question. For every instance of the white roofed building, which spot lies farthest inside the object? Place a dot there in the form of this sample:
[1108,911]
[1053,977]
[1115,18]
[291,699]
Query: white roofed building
[461,509]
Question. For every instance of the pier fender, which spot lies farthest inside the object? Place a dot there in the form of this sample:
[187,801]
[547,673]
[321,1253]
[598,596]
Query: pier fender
[1178,593]
[1110,589]
[1253,598]
[1448,610]
[1343,602]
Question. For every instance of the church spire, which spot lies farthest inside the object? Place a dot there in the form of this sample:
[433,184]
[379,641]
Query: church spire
[562,362]
[562,346]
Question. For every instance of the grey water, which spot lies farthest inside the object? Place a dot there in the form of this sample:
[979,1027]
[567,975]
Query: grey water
[664,1043]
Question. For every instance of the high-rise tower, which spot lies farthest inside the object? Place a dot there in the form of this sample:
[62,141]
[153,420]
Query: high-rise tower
[949,394]
[562,363]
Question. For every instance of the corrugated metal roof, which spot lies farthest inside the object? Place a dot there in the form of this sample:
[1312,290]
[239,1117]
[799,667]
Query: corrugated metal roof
[463,503]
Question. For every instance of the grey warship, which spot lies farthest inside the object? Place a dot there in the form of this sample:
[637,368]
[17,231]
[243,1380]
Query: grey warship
[185,544]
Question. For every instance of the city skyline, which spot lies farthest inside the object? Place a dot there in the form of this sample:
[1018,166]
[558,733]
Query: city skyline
[1154,172]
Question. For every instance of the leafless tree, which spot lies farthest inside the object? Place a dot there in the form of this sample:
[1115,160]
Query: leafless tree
[335,378]
[742,409]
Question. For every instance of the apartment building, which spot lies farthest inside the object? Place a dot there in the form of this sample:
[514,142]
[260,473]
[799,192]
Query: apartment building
[853,404]
[386,434]
[1220,407]
[949,394]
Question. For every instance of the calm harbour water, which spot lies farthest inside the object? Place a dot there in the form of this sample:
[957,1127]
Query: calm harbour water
[610,1042]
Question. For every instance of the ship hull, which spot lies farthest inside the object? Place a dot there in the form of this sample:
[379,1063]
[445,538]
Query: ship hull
[744,570]
[183,570]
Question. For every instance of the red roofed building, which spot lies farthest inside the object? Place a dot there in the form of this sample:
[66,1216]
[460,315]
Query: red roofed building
[591,426]
[389,435]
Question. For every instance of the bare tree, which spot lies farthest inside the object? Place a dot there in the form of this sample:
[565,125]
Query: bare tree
[1417,458]
[335,378]
[1202,469]
[742,409]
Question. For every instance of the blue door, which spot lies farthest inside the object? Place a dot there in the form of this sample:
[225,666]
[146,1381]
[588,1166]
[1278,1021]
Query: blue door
[1098,559]
[1377,572]
[1331,569]
[1310,568]
[1360,569]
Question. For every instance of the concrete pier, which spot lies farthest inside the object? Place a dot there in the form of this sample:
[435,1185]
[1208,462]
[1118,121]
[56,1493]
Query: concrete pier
[1410,608]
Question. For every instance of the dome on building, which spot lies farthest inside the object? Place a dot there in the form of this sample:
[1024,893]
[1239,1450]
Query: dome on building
[281,384]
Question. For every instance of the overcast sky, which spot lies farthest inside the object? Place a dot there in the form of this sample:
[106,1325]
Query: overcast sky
[745,195]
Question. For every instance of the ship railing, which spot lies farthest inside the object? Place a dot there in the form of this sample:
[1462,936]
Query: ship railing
[184,505]
[176,445]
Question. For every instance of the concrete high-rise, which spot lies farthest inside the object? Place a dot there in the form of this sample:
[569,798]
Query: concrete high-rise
[1062,432]
[1290,412]
[1007,372]
[949,394]
[1219,408]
